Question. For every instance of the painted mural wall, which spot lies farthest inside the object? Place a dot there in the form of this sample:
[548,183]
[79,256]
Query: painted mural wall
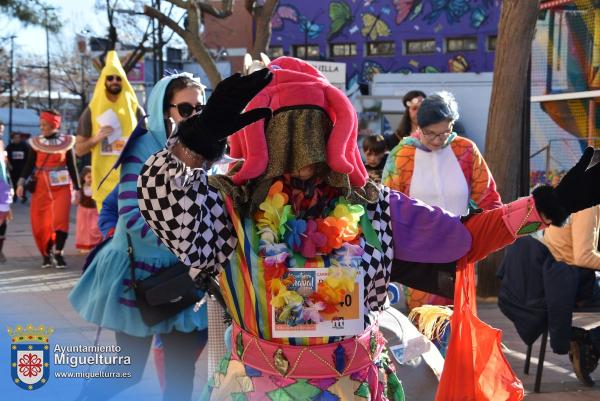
[374,36]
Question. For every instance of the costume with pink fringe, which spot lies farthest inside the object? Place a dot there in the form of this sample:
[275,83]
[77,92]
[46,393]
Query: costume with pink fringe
[303,265]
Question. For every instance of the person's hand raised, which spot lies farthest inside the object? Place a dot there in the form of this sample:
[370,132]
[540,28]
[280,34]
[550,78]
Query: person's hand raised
[206,133]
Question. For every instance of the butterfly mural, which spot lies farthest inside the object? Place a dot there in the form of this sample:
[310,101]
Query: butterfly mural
[478,17]
[369,69]
[458,64]
[454,10]
[309,28]
[407,8]
[340,15]
[374,27]
[284,12]
[430,69]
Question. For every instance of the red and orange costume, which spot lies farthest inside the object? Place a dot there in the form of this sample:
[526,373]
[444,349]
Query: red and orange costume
[55,173]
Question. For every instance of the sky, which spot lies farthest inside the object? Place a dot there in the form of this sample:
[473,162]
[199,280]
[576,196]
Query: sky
[77,15]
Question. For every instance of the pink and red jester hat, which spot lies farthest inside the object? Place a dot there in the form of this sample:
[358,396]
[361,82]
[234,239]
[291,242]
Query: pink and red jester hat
[297,83]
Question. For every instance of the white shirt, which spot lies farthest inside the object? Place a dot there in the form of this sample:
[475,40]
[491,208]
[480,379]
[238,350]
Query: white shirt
[438,180]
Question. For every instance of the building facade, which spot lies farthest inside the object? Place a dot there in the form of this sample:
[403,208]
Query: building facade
[389,36]
[565,86]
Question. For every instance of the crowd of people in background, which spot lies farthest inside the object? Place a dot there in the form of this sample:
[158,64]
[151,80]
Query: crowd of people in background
[427,157]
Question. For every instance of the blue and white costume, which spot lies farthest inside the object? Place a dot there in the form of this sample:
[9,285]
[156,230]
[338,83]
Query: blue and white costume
[102,295]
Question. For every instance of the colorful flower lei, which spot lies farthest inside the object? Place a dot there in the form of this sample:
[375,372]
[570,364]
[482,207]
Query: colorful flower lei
[284,237]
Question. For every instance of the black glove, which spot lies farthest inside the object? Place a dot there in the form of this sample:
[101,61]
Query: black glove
[206,133]
[578,190]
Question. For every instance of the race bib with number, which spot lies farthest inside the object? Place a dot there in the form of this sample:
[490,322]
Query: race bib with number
[59,177]
[17,155]
[346,321]
[112,148]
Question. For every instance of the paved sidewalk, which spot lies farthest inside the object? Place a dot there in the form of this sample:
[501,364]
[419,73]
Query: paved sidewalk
[558,380]
[30,294]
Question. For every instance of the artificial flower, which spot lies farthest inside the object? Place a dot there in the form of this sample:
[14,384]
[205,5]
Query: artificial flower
[328,308]
[351,215]
[276,190]
[332,232]
[293,236]
[278,259]
[272,207]
[286,297]
[349,255]
[267,236]
[267,249]
[348,212]
[341,278]
[275,272]
[291,315]
[286,215]
[329,295]
[310,312]
[312,240]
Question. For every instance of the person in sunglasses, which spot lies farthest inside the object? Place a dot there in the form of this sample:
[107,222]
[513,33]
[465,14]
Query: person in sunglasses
[440,168]
[105,124]
[103,297]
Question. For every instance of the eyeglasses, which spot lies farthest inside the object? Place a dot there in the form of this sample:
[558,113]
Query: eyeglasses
[432,135]
[185,109]
[111,78]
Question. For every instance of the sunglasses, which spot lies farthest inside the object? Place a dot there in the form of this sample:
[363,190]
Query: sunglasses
[185,109]
[111,78]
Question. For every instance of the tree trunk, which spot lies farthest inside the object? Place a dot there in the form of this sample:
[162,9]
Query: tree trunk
[203,57]
[262,21]
[503,148]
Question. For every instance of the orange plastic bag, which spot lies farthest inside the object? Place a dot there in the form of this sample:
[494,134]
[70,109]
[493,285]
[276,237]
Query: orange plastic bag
[475,368]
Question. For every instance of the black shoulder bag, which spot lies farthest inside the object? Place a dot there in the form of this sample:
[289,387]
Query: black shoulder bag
[163,294]
[31,181]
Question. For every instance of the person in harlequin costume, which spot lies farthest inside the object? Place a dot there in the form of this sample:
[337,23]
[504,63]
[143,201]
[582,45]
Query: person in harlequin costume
[52,161]
[303,244]
[440,168]
[104,294]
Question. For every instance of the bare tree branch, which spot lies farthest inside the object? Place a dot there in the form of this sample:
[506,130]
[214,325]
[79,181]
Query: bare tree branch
[224,12]
[262,19]
[180,3]
[139,50]
[163,19]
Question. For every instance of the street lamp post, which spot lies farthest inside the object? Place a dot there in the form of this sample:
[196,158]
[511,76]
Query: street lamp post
[11,81]
[161,67]
[46,9]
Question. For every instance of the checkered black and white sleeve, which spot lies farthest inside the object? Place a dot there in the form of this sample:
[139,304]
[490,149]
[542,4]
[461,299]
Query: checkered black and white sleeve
[185,212]
[378,263]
